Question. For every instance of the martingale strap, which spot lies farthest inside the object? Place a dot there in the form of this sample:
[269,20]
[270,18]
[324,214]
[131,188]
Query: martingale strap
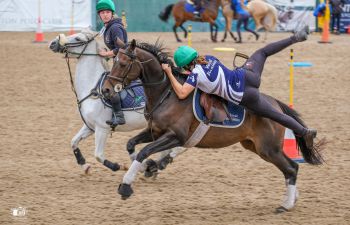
[197,135]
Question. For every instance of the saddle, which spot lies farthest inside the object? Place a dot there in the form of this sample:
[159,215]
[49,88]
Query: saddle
[190,7]
[215,111]
[214,108]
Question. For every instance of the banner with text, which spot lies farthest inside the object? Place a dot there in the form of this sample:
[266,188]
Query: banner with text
[56,15]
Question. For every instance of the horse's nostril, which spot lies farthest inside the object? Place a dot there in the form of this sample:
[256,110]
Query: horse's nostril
[53,46]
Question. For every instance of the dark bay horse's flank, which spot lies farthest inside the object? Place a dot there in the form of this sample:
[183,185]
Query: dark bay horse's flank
[181,16]
[173,121]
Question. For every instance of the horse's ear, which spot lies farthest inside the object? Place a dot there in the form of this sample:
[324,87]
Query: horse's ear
[120,43]
[133,45]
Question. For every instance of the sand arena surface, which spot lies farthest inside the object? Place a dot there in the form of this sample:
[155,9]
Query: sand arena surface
[204,186]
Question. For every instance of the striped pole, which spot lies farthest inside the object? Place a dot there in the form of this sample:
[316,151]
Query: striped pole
[71,31]
[291,78]
[39,36]
[189,37]
[325,29]
[124,19]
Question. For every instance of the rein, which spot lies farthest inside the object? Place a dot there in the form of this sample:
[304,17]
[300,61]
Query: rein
[93,91]
[140,64]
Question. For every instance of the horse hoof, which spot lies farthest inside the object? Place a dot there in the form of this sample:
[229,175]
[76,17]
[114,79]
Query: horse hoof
[163,163]
[124,167]
[125,191]
[151,169]
[223,40]
[115,167]
[86,168]
[178,40]
[112,166]
[281,209]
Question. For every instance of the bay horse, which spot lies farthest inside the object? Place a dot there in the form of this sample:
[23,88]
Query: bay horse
[180,15]
[172,121]
[90,67]
[263,13]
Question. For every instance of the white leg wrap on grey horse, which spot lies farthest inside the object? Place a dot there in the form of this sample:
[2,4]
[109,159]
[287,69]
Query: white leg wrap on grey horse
[130,175]
[291,197]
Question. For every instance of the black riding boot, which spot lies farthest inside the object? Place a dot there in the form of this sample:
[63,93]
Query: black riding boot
[118,115]
[197,7]
[309,136]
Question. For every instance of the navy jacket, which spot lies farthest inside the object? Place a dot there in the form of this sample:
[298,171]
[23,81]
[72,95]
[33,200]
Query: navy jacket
[114,30]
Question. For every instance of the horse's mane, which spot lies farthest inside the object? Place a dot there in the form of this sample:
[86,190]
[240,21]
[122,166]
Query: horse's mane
[162,54]
[158,50]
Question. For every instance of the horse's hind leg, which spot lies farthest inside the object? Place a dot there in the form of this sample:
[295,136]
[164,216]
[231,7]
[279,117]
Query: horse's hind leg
[272,152]
[83,133]
[233,36]
[213,30]
[101,135]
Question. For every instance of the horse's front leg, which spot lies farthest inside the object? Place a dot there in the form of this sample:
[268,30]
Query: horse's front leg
[83,133]
[165,158]
[144,137]
[174,30]
[184,30]
[265,36]
[225,35]
[101,135]
[166,141]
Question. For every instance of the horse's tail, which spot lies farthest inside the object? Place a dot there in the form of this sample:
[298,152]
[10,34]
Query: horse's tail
[311,156]
[273,15]
[164,15]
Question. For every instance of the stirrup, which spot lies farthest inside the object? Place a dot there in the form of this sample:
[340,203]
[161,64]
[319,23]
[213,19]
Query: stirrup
[197,15]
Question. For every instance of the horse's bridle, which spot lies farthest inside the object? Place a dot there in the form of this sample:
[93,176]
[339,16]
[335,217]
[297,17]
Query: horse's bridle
[66,47]
[118,87]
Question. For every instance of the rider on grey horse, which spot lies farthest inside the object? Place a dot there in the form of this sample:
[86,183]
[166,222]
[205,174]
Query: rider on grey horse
[113,30]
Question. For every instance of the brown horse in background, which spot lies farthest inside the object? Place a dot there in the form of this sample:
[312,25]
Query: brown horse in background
[172,121]
[181,16]
[263,13]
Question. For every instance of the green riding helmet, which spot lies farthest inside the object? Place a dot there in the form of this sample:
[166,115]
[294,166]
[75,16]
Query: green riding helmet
[184,55]
[105,5]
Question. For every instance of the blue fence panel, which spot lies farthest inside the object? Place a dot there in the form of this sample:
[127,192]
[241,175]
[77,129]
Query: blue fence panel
[142,16]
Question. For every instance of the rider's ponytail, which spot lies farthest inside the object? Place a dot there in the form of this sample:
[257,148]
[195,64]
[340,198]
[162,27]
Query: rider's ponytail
[201,60]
